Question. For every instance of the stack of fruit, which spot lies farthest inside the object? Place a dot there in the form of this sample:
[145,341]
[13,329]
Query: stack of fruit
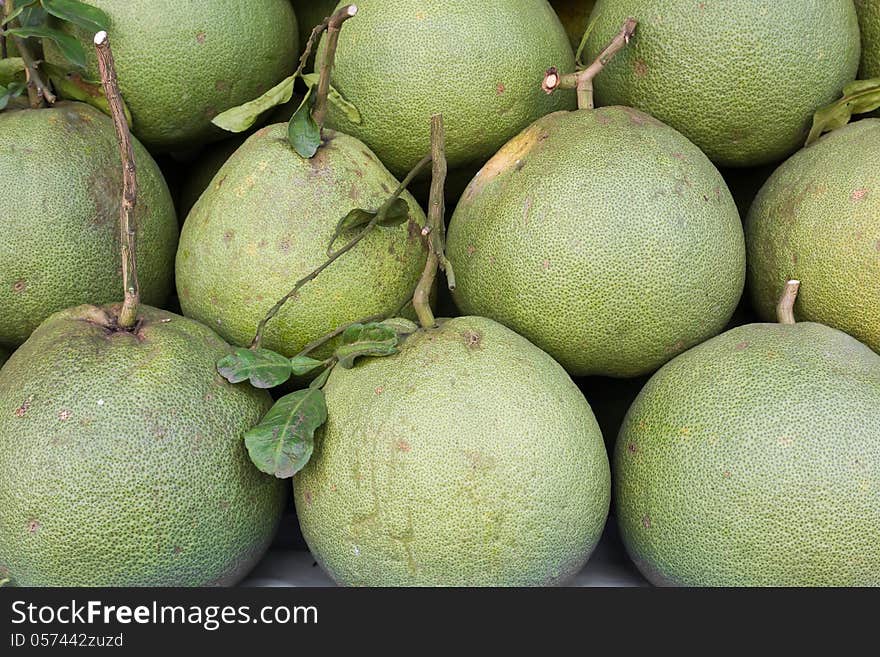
[618,174]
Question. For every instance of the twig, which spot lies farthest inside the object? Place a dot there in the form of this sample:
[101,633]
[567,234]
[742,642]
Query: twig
[334,25]
[310,45]
[127,230]
[4,12]
[785,307]
[582,81]
[333,257]
[436,211]
[38,90]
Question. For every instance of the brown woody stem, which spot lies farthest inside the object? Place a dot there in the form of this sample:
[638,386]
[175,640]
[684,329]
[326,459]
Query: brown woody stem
[582,81]
[785,307]
[380,216]
[334,25]
[436,224]
[38,91]
[127,229]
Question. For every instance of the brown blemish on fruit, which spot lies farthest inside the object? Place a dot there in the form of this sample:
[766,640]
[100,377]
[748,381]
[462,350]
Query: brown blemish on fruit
[742,345]
[509,157]
[228,235]
[178,549]
[402,446]
[33,526]
[877,246]
[222,86]
[200,37]
[308,497]
[632,448]
[64,415]
[676,347]
[726,474]
[284,245]
[786,441]
[22,410]
[859,195]
[646,521]
[19,286]
[472,339]
[379,390]
[640,68]
[500,89]
[545,265]
[471,249]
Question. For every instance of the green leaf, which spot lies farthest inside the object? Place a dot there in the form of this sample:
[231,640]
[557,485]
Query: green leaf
[12,70]
[72,49]
[302,365]
[859,97]
[302,131]
[396,215]
[264,368]
[335,98]
[73,86]
[373,339]
[321,379]
[241,118]
[400,325]
[13,90]
[80,14]
[21,7]
[282,443]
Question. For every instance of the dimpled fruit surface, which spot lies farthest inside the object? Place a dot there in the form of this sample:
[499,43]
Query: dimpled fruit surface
[468,459]
[753,460]
[267,221]
[604,237]
[123,457]
[817,219]
[181,63]
[60,187]
[489,58]
[764,69]
[869,22]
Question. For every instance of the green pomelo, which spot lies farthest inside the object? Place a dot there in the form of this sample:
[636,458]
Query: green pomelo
[818,220]
[182,63]
[468,459]
[869,22]
[575,18]
[123,460]
[61,188]
[480,64]
[740,79]
[310,13]
[202,171]
[604,237]
[267,221]
[753,460]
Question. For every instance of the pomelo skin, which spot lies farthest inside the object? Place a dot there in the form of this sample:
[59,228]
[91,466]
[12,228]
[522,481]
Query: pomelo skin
[267,220]
[182,63]
[753,460]
[123,458]
[469,459]
[817,219]
[489,55]
[741,79]
[869,22]
[604,237]
[60,185]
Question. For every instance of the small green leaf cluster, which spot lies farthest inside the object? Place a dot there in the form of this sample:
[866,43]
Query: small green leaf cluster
[12,79]
[35,19]
[282,443]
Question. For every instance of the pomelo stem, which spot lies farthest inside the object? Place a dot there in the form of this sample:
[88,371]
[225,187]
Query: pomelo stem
[38,91]
[582,81]
[785,307]
[334,25]
[380,216]
[127,230]
[436,224]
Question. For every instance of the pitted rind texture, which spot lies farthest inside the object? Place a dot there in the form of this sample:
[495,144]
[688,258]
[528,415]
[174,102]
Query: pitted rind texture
[817,219]
[753,460]
[605,237]
[869,22]
[123,460]
[469,459]
[741,79]
[267,220]
[60,190]
[182,63]
[480,64]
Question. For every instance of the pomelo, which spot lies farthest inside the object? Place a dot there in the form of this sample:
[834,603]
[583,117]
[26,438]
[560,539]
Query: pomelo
[817,219]
[869,22]
[470,458]
[182,63]
[476,63]
[753,460]
[267,221]
[740,79]
[202,170]
[605,237]
[123,457]
[61,188]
